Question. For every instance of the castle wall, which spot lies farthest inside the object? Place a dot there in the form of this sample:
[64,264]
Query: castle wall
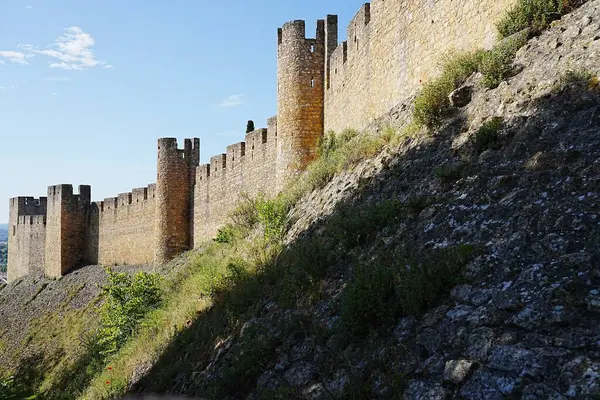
[26,237]
[393,46]
[120,230]
[248,167]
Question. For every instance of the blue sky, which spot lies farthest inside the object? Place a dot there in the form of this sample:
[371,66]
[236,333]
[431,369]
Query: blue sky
[87,86]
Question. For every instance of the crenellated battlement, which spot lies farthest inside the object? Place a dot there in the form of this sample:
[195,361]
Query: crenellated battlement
[137,197]
[218,164]
[28,205]
[242,154]
[65,193]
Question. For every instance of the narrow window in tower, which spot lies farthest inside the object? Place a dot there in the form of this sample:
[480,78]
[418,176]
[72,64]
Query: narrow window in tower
[312,48]
[14,230]
[312,82]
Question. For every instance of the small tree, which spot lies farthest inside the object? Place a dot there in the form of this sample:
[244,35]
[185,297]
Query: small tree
[127,300]
[250,126]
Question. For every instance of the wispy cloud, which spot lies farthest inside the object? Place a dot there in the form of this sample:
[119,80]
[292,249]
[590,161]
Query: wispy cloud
[58,78]
[73,51]
[13,87]
[29,7]
[233,101]
[16,57]
[55,94]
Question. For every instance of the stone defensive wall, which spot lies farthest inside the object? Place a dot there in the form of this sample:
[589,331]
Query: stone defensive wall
[248,167]
[393,46]
[120,230]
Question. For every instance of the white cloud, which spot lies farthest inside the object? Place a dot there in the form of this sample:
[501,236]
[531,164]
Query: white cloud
[233,101]
[29,7]
[16,57]
[72,50]
[55,94]
[58,78]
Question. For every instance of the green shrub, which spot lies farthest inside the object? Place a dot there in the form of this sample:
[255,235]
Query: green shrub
[384,289]
[127,300]
[225,235]
[272,215]
[448,172]
[487,136]
[432,105]
[534,14]
[352,226]
[8,391]
[496,65]
[578,78]
[331,142]
[338,152]
[245,215]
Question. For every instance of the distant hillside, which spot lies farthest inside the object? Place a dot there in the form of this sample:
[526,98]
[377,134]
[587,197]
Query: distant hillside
[3,232]
[3,256]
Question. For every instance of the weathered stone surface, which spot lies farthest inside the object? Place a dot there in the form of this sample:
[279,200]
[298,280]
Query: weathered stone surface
[418,390]
[300,373]
[461,96]
[582,377]
[486,386]
[404,329]
[515,360]
[538,391]
[456,371]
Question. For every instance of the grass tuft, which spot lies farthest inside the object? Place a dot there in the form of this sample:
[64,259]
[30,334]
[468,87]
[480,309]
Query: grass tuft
[487,135]
[496,65]
[432,105]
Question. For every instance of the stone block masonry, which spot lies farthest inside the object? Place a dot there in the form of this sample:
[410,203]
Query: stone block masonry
[392,47]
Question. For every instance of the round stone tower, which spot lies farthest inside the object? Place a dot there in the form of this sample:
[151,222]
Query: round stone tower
[174,182]
[300,97]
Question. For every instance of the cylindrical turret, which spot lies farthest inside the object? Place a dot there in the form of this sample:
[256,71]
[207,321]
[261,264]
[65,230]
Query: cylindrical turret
[175,174]
[300,97]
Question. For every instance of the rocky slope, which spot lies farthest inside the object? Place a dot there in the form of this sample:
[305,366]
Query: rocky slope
[524,191]
[514,177]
